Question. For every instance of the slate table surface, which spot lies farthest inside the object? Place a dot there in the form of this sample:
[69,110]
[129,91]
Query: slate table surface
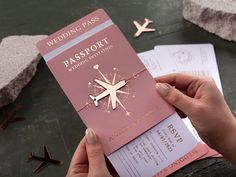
[51,119]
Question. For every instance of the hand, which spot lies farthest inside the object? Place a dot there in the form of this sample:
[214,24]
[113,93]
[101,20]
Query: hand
[200,99]
[88,159]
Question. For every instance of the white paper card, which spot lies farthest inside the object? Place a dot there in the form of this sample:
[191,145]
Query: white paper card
[197,59]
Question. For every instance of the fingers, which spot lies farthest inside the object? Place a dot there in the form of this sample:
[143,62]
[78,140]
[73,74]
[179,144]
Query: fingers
[95,153]
[179,80]
[89,157]
[80,153]
[79,160]
[176,98]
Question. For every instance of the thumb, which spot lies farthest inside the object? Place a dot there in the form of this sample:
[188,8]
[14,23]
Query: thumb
[95,153]
[175,97]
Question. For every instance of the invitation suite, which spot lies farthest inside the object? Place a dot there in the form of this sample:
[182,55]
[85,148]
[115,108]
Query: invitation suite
[114,94]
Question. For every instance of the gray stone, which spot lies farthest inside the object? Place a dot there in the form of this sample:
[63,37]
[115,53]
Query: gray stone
[215,16]
[18,63]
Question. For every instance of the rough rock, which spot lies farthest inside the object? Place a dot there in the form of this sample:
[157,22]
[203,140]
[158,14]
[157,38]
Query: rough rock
[215,16]
[18,63]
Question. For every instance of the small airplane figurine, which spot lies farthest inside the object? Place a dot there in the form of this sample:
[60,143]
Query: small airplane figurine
[111,90]
[143,28]
[46,160]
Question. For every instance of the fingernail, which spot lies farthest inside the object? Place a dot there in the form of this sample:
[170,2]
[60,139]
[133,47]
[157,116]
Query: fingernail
[90,136]
[163,89]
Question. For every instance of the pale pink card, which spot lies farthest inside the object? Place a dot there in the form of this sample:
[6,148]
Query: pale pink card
[210,153]
[197,152]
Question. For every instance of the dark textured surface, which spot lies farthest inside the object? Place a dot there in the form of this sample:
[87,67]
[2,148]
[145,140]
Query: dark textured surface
[50,118]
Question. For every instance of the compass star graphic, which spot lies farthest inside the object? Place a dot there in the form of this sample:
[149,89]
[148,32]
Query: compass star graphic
[110,88]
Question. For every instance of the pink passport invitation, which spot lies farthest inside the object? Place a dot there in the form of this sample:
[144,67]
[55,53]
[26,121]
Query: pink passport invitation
[114,94]
[104,79]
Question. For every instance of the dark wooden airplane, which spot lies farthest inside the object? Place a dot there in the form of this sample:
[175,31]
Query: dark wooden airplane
[46,160]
